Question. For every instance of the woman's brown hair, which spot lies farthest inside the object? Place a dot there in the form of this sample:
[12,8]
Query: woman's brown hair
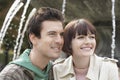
[80,27]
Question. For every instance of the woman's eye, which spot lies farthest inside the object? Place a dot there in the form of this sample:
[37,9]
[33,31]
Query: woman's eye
[52,34]
[80,37]
[92,37]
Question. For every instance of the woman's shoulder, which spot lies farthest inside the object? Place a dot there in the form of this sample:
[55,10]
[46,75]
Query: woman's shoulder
[109,62]
[106,59]
[59,62]
[62,62]
[109,67]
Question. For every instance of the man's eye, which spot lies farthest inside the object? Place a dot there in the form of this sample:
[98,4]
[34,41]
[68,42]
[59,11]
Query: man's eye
[52,33]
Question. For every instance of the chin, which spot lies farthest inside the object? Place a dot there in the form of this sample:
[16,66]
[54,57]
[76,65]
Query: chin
[88,54]
[55,57]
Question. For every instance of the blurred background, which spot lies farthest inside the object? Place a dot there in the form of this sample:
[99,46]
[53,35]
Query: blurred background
[99,12]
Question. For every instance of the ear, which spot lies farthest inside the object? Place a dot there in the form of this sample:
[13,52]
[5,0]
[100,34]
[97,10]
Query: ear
[32,38]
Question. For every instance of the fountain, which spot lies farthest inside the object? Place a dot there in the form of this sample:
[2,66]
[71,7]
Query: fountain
[20,35]
[92,10]
[114,29]
[11,13]
[13,10]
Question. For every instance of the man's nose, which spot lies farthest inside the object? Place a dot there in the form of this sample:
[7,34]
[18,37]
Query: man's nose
[59,39]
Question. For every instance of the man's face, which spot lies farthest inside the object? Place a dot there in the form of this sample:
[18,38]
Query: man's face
[50,43]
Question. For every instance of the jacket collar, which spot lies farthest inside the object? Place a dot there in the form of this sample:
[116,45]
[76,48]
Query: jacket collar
[68,67]
[93,71]
[94,68]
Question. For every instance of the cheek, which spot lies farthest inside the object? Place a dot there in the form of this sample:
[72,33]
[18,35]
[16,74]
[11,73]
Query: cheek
[63,41]
[75,43]
[41,43]
[94,43]
[75,46]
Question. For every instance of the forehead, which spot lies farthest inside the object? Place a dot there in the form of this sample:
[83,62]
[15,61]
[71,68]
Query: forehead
[48,26]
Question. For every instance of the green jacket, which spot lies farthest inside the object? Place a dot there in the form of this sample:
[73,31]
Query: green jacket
[23,69]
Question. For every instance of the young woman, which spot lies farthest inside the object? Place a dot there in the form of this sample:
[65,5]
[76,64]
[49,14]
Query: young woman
[83,63]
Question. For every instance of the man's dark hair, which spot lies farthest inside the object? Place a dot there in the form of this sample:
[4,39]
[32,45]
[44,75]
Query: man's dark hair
[41,15]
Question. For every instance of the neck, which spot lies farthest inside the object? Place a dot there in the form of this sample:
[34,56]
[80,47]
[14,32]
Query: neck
[79,71]
[81,62]
[38,60]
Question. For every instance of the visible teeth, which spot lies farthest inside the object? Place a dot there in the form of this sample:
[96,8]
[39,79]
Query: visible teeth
[86,48]
[56,48]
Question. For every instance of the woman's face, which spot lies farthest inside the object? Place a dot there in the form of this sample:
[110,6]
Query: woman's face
[83,45]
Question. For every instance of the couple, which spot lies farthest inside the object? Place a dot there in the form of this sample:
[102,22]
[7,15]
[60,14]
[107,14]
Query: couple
[48,39]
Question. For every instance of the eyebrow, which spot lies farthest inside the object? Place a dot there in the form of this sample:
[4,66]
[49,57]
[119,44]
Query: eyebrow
[52,32]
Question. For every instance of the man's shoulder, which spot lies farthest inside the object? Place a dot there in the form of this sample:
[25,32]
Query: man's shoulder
[11,69]
[13,72]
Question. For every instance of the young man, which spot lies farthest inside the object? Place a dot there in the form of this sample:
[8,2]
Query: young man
[45,31]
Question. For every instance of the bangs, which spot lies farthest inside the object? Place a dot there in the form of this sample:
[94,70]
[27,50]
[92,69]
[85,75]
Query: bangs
[82,28]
